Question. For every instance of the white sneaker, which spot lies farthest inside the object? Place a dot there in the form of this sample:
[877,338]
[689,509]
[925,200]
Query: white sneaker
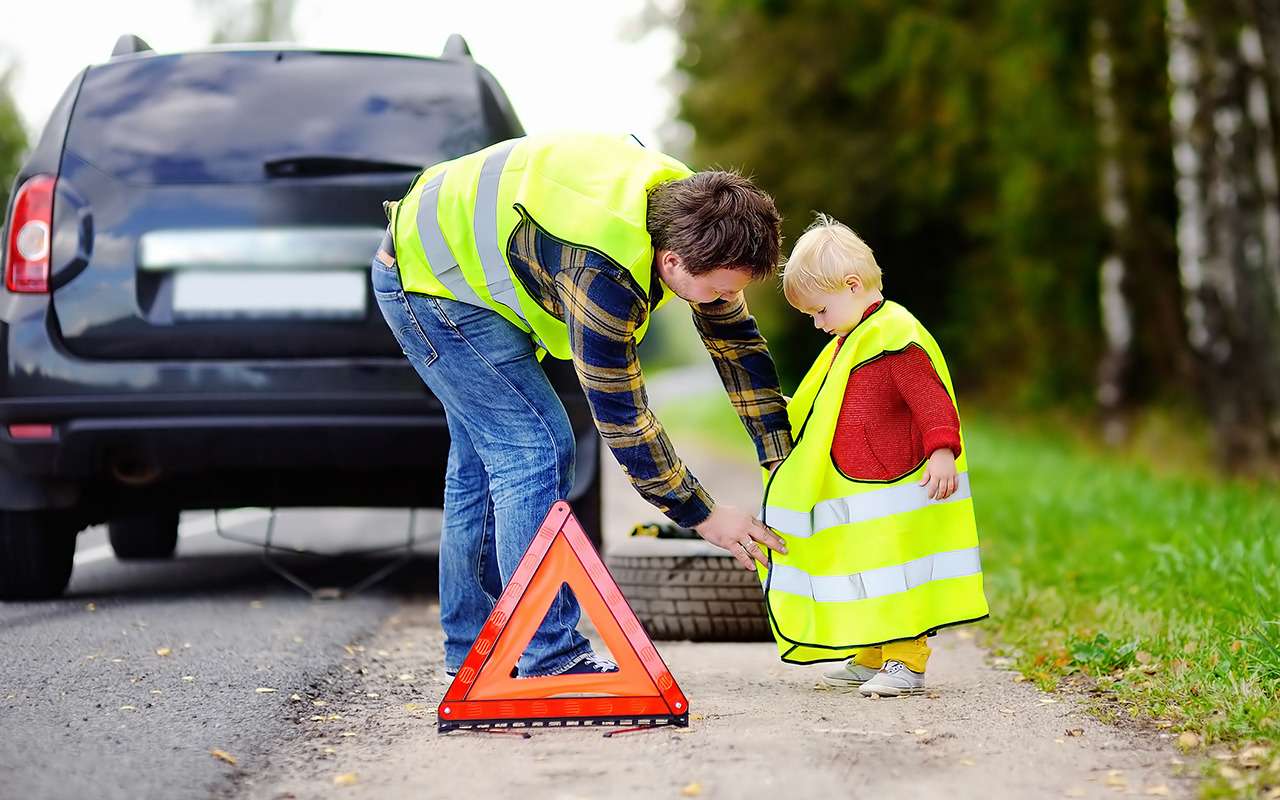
[894,679]
[849,674]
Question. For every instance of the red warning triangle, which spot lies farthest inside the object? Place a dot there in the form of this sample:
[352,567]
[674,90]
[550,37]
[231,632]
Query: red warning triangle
[483,694]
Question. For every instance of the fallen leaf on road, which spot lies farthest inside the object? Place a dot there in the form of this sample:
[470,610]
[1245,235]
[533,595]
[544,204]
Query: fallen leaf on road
[328,751]
[157,691]
[1047,700]
[347,734]
[412,707]
[1252,756]
[1116,778]
[164,651]
[1007,711]
[372,695]
[695,716]
[317,718]
[692,790]
[265,690]
[1188,741]
[319,703]
[223,755]
[933,695]
[408,676]
[1159,790]
[1019,678]
[966,762]
[128,708]
[296,698]
[90,607]
[188,678]
[1075,731]
[920,731]
[345,779]
[1059,741]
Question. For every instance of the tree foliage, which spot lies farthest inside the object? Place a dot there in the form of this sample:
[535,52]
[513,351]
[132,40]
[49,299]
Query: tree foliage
[959,139]
[13,140]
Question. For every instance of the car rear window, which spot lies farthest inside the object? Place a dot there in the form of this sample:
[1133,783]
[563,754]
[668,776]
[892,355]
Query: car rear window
[218,117]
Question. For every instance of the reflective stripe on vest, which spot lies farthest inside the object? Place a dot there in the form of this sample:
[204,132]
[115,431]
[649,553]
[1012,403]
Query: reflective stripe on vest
[859,508]
[485,226]
[875,582]
[443,264]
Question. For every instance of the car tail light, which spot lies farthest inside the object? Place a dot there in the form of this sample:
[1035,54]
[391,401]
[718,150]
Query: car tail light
[37,430]
[29,236]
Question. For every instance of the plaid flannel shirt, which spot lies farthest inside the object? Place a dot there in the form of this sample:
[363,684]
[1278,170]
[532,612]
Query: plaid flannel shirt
[603,306]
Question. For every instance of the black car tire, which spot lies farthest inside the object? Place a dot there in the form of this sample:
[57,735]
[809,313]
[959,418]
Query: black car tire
[699,598]
[144,536]
[37,549]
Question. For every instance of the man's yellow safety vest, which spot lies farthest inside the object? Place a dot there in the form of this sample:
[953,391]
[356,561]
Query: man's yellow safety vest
[453,228]
[869,561]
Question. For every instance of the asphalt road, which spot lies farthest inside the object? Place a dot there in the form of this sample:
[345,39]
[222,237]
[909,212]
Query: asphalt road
[122,688]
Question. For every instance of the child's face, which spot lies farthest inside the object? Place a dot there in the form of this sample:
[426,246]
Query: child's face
[837,312]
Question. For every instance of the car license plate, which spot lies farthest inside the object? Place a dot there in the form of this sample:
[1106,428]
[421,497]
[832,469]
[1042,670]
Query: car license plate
[296,293]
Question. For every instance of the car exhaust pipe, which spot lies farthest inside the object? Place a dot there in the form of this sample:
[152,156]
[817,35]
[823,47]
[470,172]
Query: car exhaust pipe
[135,471]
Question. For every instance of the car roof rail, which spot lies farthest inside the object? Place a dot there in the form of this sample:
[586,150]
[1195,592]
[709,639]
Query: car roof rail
[128,44]
[456,48]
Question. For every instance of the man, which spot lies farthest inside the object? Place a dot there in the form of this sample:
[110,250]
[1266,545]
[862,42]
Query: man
[564,245]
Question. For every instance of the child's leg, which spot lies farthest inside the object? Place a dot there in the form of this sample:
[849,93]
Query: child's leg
[914,653]
[869,657]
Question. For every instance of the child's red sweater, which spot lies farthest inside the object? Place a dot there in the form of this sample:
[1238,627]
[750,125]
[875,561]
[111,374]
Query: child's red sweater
[896,412]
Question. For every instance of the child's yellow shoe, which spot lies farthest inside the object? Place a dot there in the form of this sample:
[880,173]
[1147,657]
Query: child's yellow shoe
[849,675]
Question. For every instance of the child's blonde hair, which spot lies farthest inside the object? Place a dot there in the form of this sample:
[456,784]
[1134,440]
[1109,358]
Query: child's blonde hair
[824,257]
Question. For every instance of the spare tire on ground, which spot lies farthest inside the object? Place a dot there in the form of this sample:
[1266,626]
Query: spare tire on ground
[687,590]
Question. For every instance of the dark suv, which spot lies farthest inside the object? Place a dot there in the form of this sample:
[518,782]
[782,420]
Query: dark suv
[186,321]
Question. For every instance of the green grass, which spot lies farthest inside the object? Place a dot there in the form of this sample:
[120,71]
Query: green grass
[1160,587]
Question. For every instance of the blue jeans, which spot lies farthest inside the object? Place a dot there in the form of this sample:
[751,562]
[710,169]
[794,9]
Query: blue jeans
[511,452]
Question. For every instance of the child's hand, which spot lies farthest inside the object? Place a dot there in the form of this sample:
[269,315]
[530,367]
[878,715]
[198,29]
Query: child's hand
[940,474]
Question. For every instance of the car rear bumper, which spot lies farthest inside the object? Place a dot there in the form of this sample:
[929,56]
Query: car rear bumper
[106,465]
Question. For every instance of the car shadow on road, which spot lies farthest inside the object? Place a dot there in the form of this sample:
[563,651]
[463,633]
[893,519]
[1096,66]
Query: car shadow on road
[233,576]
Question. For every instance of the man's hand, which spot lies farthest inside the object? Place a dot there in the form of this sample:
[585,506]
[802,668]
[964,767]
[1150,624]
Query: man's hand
[741,534]
[940,474]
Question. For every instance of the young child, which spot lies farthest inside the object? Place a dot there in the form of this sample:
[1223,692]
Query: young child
[873,502]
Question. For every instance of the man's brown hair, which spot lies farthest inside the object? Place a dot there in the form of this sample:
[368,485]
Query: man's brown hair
[716,219]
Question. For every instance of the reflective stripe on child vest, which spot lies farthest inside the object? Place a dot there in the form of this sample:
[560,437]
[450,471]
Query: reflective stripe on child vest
[868,562]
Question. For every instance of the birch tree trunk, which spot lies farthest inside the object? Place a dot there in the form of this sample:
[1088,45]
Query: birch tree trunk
[1224,147]
[1116,308]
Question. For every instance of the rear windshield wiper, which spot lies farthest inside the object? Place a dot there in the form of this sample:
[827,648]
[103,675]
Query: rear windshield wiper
[320,166]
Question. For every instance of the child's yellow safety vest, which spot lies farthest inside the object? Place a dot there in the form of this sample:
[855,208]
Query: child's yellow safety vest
[869,561]
[452,229]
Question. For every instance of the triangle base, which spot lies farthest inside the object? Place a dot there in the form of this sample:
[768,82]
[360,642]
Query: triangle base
[568,721]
